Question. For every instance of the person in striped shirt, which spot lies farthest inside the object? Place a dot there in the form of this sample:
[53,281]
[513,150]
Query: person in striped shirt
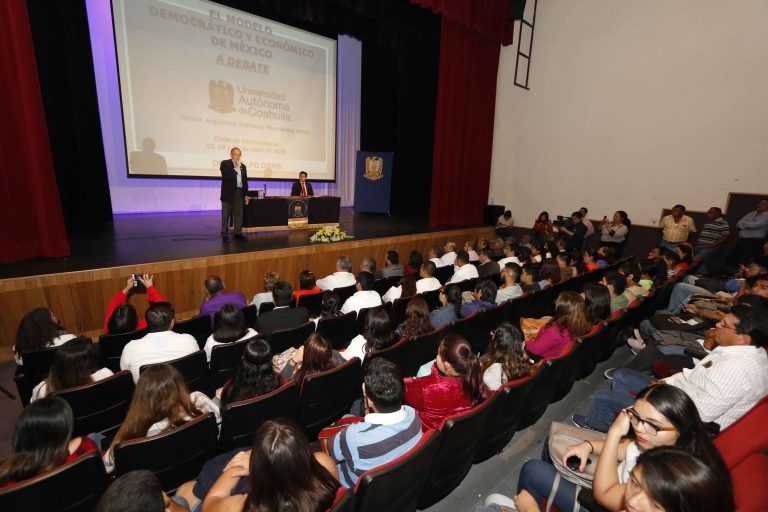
[388,431]
[714,234]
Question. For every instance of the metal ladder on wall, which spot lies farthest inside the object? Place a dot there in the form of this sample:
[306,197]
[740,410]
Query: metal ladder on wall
[522,55]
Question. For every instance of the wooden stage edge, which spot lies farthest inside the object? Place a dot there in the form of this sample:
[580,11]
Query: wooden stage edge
[79,298]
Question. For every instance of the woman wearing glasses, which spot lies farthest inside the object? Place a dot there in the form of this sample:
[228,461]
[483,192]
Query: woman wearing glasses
[662,415]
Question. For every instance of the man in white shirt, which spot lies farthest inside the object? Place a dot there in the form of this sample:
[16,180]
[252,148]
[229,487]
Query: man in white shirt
[509,256]
[449,257]
[339,279]
[364,297]
[510,289]
[435,256]
[160,345]
[464,269]
[428,282]
[724,385]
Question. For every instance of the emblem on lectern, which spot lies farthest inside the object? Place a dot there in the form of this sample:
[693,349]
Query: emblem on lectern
[374,168]
[222,96]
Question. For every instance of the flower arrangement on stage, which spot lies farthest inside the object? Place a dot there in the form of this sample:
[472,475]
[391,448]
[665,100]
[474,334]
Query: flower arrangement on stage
[329,234]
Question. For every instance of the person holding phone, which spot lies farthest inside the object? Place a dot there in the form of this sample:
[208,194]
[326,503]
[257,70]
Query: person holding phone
[121,316]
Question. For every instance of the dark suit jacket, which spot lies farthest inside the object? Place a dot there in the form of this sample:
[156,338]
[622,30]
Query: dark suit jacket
[229,180]
[284,318]
[296,188]
[488,269]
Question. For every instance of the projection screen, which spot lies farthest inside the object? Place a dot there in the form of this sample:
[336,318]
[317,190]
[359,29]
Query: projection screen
[197,78]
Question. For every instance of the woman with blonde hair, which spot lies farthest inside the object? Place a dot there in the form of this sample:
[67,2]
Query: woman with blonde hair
[568,323]
[270,279]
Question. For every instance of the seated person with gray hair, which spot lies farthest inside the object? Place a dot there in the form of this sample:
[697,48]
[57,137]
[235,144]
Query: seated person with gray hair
[339,279]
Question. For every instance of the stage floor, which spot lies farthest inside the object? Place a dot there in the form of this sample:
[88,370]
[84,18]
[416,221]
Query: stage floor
[134,239]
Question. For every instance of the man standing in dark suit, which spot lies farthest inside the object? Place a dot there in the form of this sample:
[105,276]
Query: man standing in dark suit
[302,187]
[234,185]
[283,316]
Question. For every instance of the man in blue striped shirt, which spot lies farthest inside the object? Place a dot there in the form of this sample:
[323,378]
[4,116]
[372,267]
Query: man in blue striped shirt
[388,431]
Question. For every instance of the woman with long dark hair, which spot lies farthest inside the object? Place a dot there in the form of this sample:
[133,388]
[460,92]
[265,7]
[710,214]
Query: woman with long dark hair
[161,402]
[76,363]
[39,329]
[662,415]
[450,311]
[42,440]
[568,323]
[416,319]
[284,475]
[255,375]
[377,335]
[454,385]
[228,327]
[614,233]
[330,306]
[506,359]
[315,355]
[542,228]
[597,302]
[415,260]
[122,317]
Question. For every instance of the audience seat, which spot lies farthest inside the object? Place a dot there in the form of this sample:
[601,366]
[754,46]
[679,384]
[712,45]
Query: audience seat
[444,274]
[565,367]
[199,327]
[283,339]
[225,359]
[111,347]
[345,501]
[432,298]
[340,330]
[750,483]
[240,420]
[193,367]
[399,306]
[175,456]
[327,396]
[101,406]
[72,487]
[746,436]
[460,435]
[591,347]
[471,328]
[36,367]
[345,292]
[537,400]
[381,286]
[251,314]
[397,485]
[266,307]
[313,302]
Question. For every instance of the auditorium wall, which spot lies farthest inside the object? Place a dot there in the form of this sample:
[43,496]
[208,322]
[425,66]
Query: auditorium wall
[634,106]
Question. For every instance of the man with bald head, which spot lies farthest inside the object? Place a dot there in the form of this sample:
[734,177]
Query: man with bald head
[234,186]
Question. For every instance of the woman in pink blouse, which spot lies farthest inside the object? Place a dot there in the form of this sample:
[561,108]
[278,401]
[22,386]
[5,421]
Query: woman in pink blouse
[569,322]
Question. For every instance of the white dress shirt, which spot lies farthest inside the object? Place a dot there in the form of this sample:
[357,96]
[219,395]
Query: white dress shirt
[509,292]
[261,298]
[725,384]
[449,258]
[356,348]
[360,300]
[437,261]
[467,271]
[156,347]
[210,342]
[509,259]
[427,284]
[336,280]
[392,294]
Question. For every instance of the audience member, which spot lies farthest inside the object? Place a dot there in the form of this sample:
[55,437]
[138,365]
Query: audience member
[464,269]
[450,311]
[42,440]
[161,344]
[415,260]
[529,278]
[563,260]
[470,250]
[122,317]
[75,363]
[568,323]
[377,335]
[510,274]
[270,280]
[590,261]
[406,287]
[228,327]
[216,297]
[449,254]
[753,228]
[484,297]
[416,319]
[685,251]
[369,265]
[364,297]
[676,228]
[597,302]
[724,385]
[389,429]
[330,306]
[631,271]
[435,255]
[509,256]
[315,355]
[161,402]
[39,329]
[341,278]
[614,233]
[587,223]
[139,491]
[542,229]
[255,375]
[672,261]
[427,282]
[392,266]
[549,273]
[454,385]
[505,360]
[574,234]
[282,471]
[307,285]
[283,316]
[714,234]
[487,267]
[616,284]
[504,224]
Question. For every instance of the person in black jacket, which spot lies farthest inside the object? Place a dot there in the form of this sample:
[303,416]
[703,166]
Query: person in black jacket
[234,185]
[283,316]
[302,187]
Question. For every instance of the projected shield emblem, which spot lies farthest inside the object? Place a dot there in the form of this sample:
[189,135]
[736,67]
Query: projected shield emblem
[222,96]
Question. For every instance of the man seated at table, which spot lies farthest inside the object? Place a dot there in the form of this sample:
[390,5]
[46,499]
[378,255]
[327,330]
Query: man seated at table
[302,187]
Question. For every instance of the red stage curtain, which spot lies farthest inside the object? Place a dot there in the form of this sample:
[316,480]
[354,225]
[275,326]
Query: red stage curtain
[488,17]
[466,99]
[31,222]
